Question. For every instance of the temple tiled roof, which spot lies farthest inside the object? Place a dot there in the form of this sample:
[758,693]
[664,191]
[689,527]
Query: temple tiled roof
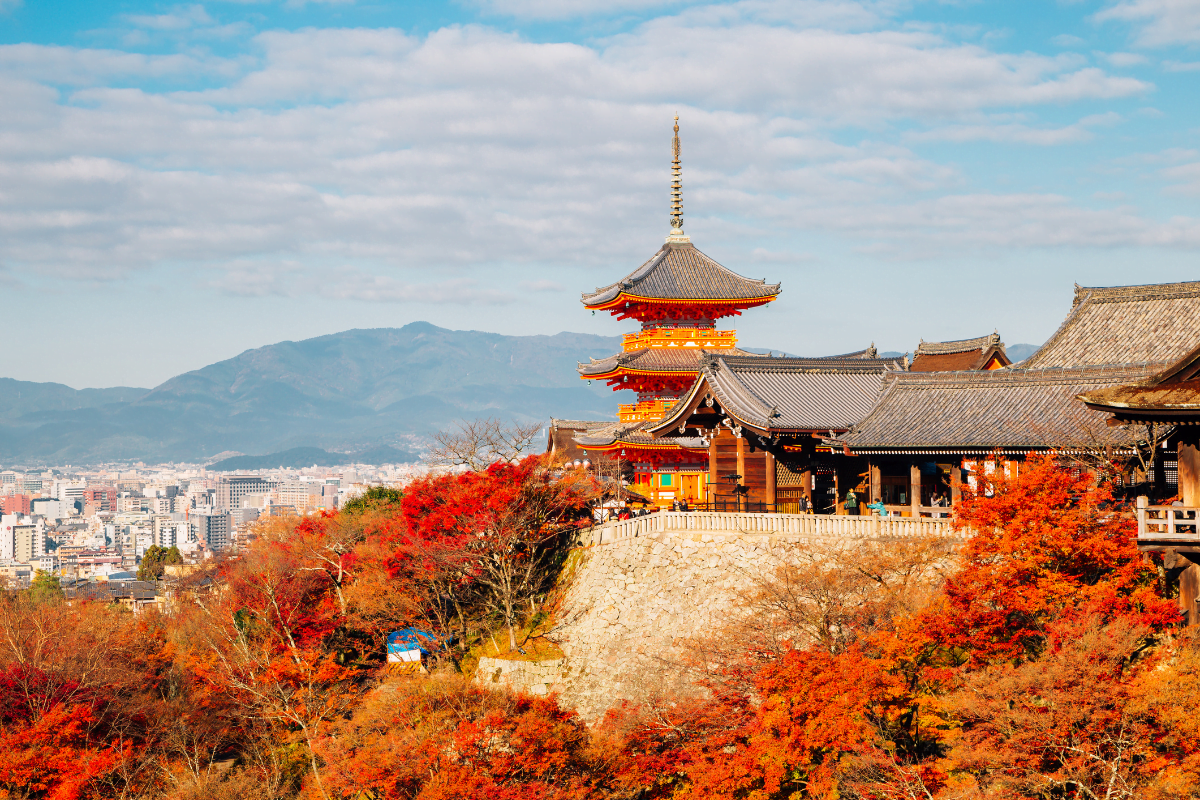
[1124,325]
[561,435]
[978,411]
[679,271]
[786,393]
[1172,395]
[962,354]
[656,359]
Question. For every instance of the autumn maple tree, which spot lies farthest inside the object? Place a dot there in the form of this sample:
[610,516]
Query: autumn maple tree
[1035,658]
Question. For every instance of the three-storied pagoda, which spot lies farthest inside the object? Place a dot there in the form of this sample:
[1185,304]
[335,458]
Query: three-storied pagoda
[677,296]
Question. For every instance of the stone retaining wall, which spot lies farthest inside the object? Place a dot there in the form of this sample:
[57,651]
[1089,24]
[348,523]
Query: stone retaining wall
[535,677]
[635,602]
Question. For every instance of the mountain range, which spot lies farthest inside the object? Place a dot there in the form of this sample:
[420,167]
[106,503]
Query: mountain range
[347,392]
[342,395]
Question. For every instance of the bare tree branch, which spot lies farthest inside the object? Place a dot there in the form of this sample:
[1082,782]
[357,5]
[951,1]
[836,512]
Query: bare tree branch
[477,444]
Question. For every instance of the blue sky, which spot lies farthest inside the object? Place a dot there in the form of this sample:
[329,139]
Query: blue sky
[180,182]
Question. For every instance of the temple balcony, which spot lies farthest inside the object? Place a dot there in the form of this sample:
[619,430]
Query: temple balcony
[644,410]
[1167,526]
[706,338]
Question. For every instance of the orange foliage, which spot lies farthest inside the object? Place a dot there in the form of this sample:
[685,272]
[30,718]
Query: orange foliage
[1039,662]
[444,738]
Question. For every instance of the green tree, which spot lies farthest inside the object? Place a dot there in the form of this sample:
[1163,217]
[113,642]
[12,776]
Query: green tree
[155,560]
[45,587]
[375,497]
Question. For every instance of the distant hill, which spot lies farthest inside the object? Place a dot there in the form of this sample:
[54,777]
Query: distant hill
[19,398]
[347,391]
[1020,352]
[313,456]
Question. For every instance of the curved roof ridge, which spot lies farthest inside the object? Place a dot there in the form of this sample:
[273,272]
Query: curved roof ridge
[1020,374]
[958,345]
[739,392]
[1145,291]
[809,364]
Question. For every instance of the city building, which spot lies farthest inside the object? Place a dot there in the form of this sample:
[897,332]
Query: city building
[230,491]
[213,529]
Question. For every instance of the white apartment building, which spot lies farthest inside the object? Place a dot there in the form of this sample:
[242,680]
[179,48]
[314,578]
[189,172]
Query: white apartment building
[69,491]
[213,529]
[231,490]
[170,533]
[49,507]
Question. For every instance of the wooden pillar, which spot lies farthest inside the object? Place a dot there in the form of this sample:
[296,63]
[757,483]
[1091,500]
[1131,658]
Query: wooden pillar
[876,483]
[1189,467]
[770,467]
[711,492]
[914,490]
[1189,593]
[741,468]
[955,485]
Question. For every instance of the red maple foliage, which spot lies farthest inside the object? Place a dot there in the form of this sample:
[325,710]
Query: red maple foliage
[1045,544]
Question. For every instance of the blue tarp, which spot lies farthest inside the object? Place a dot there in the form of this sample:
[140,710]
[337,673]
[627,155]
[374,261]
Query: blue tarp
[410,639]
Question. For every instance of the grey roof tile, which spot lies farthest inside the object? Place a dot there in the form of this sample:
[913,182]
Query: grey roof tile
[682,272]
[789,393]
[973,411]
[1124,325]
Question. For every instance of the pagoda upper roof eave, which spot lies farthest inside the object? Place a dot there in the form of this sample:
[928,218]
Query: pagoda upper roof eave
[680,273]
[731,302]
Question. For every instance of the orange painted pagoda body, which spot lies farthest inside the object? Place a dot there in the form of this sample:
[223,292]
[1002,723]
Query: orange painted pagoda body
[677,296]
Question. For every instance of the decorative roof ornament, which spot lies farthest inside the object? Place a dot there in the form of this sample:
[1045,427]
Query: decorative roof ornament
[677,234]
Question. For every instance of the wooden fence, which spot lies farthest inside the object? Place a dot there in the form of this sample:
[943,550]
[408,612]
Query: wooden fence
[1163,524]
[729,523]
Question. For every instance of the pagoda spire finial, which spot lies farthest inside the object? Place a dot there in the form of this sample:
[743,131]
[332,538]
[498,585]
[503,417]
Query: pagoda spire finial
[677,234]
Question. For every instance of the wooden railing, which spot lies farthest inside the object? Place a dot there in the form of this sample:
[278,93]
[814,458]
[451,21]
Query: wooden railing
[1167,523]
[843,527]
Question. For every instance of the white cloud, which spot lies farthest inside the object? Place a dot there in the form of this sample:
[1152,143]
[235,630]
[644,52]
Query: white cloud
[1018,133]
[569,9]
[181,18]
[467,149]
[1158,22]
[1068,40]
[1185,178]
[1124,59]
[542,286]
[255,278]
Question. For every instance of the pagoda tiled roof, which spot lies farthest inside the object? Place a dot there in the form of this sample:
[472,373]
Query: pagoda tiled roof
[679,271]
[634,434]
[1154,323]
[656,359]
[979,411]
[781,394]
